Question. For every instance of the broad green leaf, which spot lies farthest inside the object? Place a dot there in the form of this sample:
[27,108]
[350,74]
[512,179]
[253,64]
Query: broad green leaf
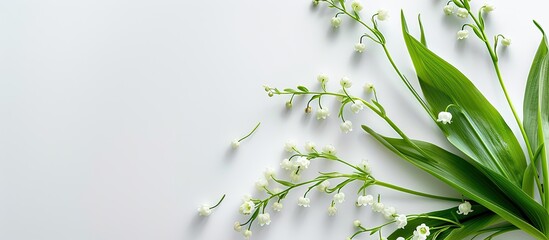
[479,218]
[303,89]
[471,226]
[478,130]
[536,110]
[470,181]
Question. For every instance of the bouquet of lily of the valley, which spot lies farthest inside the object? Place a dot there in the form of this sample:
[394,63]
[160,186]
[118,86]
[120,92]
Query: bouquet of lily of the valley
[504,187]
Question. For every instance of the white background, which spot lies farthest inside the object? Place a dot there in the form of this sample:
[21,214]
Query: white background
[116,117]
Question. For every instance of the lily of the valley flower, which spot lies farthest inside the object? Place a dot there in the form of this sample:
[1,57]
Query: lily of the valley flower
[388,212]
[269,173]
[322,78]
[448,9]
[247,234]
[322,113]
[237,226]
[303,162]
[290,146]
[264,219]
[336,22]
[356,5]
[339,197]
[304,202]
[329,149]
[421,232]
[382,14]
[310,146]
[332,210]
[378,207]
[324,185]
[365,165]
[277,206]
[261,183]
[346,126]
[462,13]
[464,208]
[364,200]
[444,117]
[506,42]
[235,144]
[368,87]
[488,7]
[462,34]
[247,207]
[357,106]
[359,47]
[357,223]
[205,210]
[401,220]
[346,82]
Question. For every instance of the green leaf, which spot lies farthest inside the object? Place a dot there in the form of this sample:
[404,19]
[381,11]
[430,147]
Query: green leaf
[289,90]
[478,130]
[284,183]
[471,182]
[303,89]
[536,112]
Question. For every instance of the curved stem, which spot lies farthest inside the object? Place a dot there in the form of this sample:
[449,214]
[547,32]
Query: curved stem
[253,130]
[409,191]
[494,58]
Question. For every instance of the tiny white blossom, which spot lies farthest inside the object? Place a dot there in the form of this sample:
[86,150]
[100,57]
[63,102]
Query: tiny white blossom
[247,234]
[365,165]
[422,231]
[464,208]
[286,164]
[303,162]
[322,113]
[304,202]
[269,173]
[401,221]
[277,206]
[342,96]
[332,210]
[365,200]
[357,106]
[357,223]
[247,207]
[382,14]
[289,104]
[346,126]
[360,47]
[336,22]
[322,78]
[462,13]
[295,176]
[345,82]
[488,7]
[506,42]
[400,238]
[324,185]
[235,144]
[462,34]
[329,149]
[368,87]
[264,219]
[290,146]
[237,227]
[261,183]
[356,5]
[339,197]
[388,212]
[448,9]
[378,207]
[444,117]
[246,197]
[310,146]
[205,210]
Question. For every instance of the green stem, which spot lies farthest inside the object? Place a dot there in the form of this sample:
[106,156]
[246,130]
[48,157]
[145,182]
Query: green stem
[217,204]
[253,130]
[494,58]
[401,189]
